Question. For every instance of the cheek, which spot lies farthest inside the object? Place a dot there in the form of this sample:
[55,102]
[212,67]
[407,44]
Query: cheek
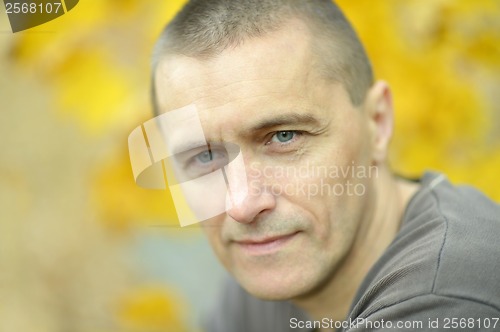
[332,188]
[213,230]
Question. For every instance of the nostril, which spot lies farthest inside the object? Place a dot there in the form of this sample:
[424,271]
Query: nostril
[250,206]
[242,214]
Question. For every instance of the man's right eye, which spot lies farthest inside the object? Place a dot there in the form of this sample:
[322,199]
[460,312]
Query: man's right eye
[205,157]
[206,162]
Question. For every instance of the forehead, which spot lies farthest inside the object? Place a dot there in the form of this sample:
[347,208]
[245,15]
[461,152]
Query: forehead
[267,80]
[278,61]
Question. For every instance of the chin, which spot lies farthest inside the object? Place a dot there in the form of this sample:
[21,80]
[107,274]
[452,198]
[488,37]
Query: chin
[274,286]
[272,292]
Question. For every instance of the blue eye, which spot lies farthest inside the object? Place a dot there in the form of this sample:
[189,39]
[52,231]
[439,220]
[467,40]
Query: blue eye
[202,161]
[213,158]
[283,136]
[205,157]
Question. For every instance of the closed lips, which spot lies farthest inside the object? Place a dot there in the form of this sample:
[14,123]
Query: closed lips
[265,240]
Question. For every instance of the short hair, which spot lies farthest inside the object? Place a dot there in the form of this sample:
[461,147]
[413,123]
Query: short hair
[205,28]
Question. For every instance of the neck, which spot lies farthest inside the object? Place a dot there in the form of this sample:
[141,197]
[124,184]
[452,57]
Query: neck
[375,233]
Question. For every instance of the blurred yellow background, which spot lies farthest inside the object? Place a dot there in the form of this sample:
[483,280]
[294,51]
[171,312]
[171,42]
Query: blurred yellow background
[74,226]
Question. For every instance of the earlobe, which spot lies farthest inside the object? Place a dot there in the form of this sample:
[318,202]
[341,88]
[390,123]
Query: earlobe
[381,119]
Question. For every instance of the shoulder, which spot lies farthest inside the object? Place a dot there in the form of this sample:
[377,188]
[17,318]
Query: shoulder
[443,258]
[468,260]
[430,312]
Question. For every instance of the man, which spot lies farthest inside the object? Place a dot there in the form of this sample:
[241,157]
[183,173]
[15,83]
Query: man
[323,236]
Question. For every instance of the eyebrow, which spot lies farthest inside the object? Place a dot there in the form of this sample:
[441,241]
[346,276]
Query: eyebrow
[178,149]
[284,120]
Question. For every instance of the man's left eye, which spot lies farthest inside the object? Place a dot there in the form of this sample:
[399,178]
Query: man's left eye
[283,136]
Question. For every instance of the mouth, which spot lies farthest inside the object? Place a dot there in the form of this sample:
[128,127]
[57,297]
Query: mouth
[264,246]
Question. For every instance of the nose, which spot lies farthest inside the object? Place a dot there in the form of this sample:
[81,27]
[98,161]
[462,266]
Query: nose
[247,196]
[247,210]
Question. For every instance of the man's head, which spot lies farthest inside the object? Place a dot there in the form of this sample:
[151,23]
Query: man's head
[205,28]
[293,92]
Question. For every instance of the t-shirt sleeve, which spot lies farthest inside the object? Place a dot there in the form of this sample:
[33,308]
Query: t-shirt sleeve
[431,313]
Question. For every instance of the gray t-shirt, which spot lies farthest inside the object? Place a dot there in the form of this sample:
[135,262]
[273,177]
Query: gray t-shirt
[441,272]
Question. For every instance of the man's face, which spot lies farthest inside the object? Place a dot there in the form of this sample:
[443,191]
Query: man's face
[303,144]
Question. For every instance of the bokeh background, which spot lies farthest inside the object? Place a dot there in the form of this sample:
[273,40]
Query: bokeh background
[82,248]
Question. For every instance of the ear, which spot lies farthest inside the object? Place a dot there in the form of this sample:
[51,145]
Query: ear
[379,110]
